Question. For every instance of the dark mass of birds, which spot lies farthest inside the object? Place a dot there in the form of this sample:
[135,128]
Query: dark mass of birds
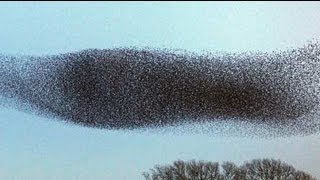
[129,88]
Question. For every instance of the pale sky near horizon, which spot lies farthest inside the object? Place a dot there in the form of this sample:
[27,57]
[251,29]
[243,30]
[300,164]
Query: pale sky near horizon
[37,148]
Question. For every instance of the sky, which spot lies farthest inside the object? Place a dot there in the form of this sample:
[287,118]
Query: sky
[36,147]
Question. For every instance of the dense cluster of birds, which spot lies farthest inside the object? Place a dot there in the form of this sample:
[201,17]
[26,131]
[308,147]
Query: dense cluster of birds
[129,88]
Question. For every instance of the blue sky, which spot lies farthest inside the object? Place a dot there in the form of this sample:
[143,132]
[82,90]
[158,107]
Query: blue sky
[53,27]
[33,147]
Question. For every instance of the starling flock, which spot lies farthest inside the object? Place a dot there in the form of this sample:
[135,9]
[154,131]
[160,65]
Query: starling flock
[129,88]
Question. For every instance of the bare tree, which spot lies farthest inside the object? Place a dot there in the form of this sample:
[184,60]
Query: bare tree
[232,172]
[180,170]
[257,169]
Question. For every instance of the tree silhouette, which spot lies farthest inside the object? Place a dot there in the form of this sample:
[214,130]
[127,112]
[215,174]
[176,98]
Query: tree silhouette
[257,169]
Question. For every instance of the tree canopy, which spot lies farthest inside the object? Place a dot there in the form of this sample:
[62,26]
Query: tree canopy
[257,169]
